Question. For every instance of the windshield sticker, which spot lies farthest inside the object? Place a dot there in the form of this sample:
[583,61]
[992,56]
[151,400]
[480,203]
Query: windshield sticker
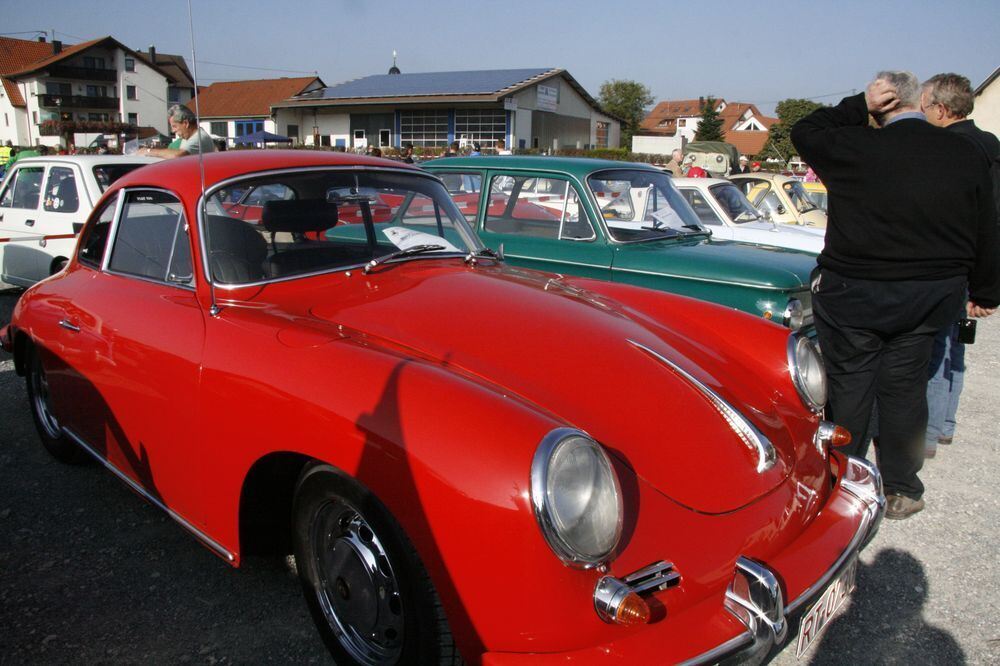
[404,239]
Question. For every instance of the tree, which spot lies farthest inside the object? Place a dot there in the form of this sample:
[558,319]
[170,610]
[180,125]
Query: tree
[710,126]
[790,111]
[627,100]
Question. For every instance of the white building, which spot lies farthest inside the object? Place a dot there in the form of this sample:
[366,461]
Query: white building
[50,90]
[987,109]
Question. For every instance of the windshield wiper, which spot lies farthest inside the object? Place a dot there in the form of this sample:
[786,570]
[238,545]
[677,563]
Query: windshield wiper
[408,252]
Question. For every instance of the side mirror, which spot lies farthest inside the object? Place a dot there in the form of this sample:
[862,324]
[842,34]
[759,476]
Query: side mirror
[780,210]
[500,252]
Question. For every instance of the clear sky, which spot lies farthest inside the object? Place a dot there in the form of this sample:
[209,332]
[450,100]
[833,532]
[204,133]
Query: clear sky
[754,51]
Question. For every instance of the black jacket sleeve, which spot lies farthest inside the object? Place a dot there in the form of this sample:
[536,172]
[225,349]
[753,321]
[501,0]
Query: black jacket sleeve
[984,282]
[815,136]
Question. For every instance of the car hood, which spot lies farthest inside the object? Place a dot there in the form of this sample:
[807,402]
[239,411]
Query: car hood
[782,235]
[719,261]
[579,357]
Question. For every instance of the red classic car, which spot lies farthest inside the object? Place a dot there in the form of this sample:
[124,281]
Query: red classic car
[465,458]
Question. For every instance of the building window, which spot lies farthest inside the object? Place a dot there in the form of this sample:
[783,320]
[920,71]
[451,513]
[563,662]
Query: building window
[58,88]
[98,117]
[97,91]
[130,92]
[602,134]
[173,95]
[483,126]
[133,119]
[91,62]
[424,128]
[6,120]
[34,117]
[129,64]
[219,128]
[244,127]
[292,131]
[681,122]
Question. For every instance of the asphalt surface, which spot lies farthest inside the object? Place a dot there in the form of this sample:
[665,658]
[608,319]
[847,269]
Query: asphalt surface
[90,573]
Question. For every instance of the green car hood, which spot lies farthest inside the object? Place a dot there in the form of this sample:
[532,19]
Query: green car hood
[719,261]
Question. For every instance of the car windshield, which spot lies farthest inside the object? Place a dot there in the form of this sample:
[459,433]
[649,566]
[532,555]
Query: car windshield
[303,222]
[737,206]
[107,174]
[797,195]
[818,198]
[640,205]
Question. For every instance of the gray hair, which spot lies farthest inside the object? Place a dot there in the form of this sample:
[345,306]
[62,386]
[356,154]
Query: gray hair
[907,86]
[182,114]
[953,92]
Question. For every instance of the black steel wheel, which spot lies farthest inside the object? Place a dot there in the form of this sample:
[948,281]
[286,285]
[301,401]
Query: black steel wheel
[367,590]
[53,437]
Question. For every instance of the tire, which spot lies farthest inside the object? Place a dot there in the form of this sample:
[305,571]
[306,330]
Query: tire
[53,437]
[384,614]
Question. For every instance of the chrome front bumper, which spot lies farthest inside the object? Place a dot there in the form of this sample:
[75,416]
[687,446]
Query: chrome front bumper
[755,597]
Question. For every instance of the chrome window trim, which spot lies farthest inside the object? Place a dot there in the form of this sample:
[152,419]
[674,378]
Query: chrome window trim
[538,486]
[99,265]
[211,543]
[113,236]
[494,173]
[473,241]
[750,434]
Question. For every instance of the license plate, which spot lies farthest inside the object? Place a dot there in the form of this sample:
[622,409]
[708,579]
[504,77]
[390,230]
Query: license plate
[818,618]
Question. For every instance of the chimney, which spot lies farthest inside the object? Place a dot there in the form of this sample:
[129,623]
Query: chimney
[56,46]
[41,38]
[152,54]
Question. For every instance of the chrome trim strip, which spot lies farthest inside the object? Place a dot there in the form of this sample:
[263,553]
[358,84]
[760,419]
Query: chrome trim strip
[201,536]
[113,231]
[767,456]
[555,261]
[701,279]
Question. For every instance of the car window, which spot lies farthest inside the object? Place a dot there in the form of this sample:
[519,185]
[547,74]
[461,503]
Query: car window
[95,238]
[23,189]
[107,174]
[754,190]
[338,219]
[464,189]
[60,191]
[797,195]
[771,203]
[701,207]
[152,238]
[642,204]
[736,205]
[536,207]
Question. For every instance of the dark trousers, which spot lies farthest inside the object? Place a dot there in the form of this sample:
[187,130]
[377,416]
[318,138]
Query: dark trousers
[876,339]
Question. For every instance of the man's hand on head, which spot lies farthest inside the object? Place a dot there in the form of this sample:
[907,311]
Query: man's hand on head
[977,311]
[881,97]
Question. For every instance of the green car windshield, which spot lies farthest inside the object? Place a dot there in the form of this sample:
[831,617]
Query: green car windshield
[640,205]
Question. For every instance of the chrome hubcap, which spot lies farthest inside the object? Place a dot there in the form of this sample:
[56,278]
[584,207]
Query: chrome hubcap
[358,591]
[40,389]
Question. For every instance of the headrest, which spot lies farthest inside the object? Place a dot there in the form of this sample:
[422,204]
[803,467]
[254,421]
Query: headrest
[298,215]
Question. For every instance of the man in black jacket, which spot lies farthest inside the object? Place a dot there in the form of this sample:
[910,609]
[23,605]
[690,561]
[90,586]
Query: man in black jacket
[903,244]
[947,100]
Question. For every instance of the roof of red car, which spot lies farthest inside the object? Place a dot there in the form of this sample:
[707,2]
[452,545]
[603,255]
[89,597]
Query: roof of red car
[185,172]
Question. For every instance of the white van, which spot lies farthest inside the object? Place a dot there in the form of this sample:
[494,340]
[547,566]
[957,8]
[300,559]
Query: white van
[44,202]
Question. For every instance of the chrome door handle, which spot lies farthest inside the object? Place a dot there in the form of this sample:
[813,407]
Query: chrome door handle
[30,223]
[69,326]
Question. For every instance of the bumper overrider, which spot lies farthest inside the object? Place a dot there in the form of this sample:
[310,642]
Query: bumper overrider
[755,595]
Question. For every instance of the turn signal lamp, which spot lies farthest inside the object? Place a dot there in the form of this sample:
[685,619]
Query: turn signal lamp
[841,436]
[632,610]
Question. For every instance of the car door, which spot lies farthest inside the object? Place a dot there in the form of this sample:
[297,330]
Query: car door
[21,257]
[64,208]
[138,330]
[542,222]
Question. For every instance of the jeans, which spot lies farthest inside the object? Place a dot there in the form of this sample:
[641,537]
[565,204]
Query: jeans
[944,386]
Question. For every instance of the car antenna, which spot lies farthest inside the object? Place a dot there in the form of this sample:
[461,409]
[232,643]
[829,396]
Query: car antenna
[202,204]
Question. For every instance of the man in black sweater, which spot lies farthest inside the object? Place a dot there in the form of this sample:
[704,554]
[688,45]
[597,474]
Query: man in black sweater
[903,244]
[947,100]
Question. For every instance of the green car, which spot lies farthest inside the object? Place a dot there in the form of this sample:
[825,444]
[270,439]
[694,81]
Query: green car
[622,222]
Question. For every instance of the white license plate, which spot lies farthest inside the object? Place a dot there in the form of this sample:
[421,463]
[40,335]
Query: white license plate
[818,618]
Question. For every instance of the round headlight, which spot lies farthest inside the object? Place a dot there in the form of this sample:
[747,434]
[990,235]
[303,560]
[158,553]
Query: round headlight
[808,374]
[576,497]
[794,314]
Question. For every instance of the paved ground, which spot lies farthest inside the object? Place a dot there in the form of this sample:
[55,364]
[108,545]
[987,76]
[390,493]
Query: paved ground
[90,573]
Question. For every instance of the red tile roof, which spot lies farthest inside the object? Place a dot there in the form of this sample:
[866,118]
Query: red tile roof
[668,112]
[238,99]
[15,55]
[748,142]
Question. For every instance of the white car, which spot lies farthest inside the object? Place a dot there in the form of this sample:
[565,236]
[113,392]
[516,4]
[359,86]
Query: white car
[783,197]
[723,208]
[44,202]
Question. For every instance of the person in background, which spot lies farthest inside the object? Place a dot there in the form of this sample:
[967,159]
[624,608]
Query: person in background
[810,176]
[947,100]
[744,166]
[755,167]
[502,148]
[408,153]
[5,151]
[897,262]
[193,139]
[476,150]
[675,165]
[697,172]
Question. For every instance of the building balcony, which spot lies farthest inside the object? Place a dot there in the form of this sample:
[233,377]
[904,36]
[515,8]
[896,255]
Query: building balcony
[82,73]
[77,102]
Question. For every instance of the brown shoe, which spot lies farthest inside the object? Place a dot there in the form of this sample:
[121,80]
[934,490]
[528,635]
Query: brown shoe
[901,507]
[944,440]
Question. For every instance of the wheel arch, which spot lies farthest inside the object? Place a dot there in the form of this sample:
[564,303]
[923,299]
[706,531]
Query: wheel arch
[266,498]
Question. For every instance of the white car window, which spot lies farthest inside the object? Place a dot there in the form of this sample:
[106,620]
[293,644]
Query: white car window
[61,195]
[23,189]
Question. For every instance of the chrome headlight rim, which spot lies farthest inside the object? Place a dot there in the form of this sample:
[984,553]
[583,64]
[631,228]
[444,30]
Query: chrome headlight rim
[540,467]
[814,403]
[795,314]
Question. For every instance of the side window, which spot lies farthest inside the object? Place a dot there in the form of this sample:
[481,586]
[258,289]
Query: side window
[95,238]
[152,239]
[771,203]
[701,207]
[60,191]
[23,189]
[465,189]
[536,207]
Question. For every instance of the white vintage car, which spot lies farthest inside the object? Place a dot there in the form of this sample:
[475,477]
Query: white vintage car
[783,197]
[44,202]
[722,207]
